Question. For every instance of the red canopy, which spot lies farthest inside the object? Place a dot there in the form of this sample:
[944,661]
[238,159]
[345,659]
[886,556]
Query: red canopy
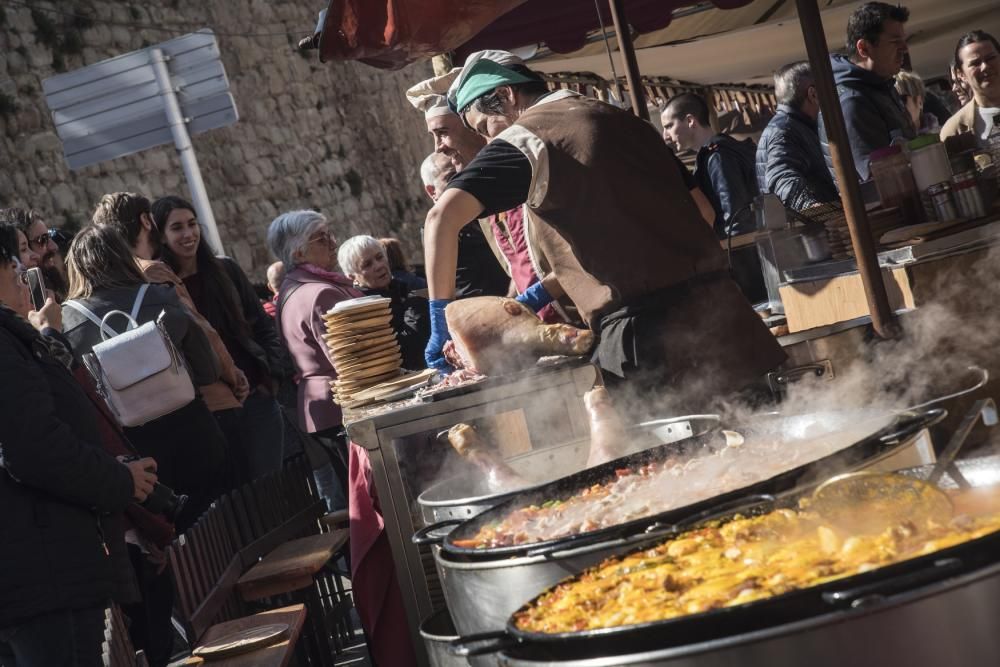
[393,33]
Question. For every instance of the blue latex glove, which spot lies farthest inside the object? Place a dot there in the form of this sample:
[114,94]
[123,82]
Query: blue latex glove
[439,336]
[535,297]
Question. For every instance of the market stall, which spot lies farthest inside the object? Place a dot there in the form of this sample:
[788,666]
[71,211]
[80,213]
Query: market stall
[435,565]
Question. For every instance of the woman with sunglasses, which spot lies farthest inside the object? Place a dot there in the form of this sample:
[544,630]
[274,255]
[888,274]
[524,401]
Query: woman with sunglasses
[225,297]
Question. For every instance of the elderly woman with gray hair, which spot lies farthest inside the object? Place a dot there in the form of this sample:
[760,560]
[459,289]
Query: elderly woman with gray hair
[312,286]
[364,259]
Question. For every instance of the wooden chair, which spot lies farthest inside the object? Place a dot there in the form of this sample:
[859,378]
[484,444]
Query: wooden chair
[117,649]
[286,554]
[205,566]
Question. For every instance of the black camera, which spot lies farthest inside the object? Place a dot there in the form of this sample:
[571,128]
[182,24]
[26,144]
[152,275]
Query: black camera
[162,499]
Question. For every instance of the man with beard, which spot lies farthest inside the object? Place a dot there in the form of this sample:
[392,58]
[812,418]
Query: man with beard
[977,62]
[40,241]
[613,215]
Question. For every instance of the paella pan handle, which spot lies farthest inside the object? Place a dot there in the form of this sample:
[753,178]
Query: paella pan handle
[741,504]
[874,593]
[982,377]
[912,424]
[426,534]
[483,643]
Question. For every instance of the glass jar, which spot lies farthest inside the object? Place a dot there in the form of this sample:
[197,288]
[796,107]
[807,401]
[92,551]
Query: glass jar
[894,180]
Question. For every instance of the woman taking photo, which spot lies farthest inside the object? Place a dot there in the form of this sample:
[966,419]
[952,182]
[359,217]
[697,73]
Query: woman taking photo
[187,443]
[58,490]
[312,286]
[365,260]
[226,298]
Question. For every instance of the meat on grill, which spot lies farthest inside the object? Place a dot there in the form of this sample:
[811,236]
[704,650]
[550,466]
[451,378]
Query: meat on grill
[496,335]
[470,445]
[607,431]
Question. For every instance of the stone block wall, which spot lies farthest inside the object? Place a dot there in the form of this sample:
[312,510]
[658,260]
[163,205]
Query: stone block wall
[338,137]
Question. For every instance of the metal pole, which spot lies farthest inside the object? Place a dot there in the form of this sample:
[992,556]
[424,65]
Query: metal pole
[883,319]
[182,142]
[635,91]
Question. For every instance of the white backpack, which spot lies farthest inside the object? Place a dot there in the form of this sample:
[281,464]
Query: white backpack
[139,372]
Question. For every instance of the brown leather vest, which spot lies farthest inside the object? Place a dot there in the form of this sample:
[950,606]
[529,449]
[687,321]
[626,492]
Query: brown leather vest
[608,207]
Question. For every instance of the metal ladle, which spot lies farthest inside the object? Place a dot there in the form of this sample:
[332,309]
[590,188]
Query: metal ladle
[870,501]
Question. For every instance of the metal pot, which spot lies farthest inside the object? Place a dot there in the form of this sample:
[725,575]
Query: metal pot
[438,632]
[465,496]
[931,610]
[482,592]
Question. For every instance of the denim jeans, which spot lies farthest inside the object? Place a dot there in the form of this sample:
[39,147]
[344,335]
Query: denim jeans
[67,638]
[262,432]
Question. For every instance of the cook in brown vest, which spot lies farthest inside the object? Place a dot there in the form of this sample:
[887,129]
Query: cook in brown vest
[610,211]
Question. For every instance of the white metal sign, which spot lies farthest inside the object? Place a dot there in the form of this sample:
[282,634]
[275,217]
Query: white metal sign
[146,98]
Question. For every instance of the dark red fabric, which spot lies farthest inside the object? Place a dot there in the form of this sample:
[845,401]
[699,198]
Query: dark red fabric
[515,248]
[153,527]
[393,33]
[377,595]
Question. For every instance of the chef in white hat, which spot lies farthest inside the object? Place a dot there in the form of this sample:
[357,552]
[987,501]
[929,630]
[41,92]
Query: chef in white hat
[451,137]
[477,271]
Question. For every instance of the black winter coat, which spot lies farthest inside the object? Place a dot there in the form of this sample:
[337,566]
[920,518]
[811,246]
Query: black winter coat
[263,344]
[873,112]
[55,481]
[410,320]
[725,173]
[790,161]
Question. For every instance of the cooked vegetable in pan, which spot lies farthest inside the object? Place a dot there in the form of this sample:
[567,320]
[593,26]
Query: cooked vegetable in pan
[729,563]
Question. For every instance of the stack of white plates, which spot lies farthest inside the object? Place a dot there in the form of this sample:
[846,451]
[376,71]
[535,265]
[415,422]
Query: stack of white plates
[362,345]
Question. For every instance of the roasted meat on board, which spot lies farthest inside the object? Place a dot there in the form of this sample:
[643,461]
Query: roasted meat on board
[496,335]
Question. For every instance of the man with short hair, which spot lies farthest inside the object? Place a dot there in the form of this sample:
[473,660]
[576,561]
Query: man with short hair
[724,171]
[977,62]
[790,160]
[873,113]
[598,189]
[725,166]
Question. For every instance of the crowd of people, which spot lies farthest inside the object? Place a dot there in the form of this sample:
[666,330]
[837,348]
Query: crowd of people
[523,183]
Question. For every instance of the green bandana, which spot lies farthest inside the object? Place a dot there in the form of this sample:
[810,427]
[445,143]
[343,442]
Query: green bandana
[483,77]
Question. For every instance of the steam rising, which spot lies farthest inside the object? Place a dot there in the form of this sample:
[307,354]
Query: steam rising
[952,329]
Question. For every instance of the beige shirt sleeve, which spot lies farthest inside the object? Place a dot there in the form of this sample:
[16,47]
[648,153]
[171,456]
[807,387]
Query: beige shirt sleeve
[158,272]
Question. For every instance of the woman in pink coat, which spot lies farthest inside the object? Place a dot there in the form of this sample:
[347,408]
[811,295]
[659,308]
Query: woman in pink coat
[302,240]
[312,286]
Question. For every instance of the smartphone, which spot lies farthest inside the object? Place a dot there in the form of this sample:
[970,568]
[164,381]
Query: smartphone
[36,286]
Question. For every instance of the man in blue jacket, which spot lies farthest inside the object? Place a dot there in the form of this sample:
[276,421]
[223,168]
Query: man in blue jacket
[790,160]
[874,114]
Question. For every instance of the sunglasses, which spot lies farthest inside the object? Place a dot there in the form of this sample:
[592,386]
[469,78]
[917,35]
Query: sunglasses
[41,240]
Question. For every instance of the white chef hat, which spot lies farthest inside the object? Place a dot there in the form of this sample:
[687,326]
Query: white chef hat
[429,95]
[503,58]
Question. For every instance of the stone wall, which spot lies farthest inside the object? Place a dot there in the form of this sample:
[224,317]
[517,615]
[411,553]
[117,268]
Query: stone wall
[338,137]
